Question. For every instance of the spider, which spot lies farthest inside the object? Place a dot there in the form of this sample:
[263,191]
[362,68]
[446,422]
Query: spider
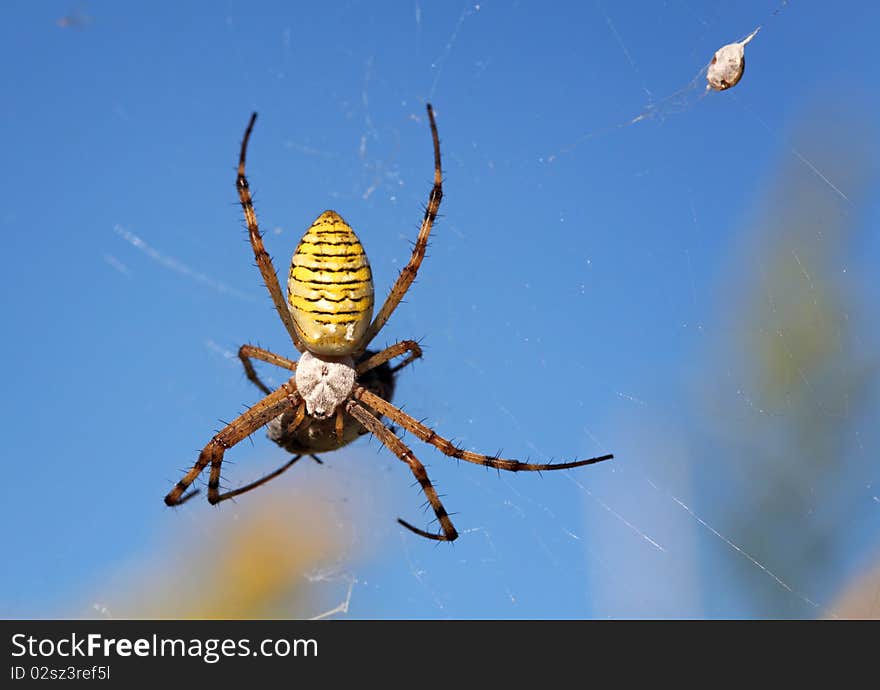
[339,389]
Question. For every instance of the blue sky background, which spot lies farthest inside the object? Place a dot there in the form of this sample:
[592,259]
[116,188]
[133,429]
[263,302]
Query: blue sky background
[583,291]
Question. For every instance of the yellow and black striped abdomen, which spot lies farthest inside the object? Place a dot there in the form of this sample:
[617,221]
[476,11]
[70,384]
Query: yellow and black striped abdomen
[330,288]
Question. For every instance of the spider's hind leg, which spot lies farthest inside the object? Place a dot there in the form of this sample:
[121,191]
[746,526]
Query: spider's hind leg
[264,261]
[408,273]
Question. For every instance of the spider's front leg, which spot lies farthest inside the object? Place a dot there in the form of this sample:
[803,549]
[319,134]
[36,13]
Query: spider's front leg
[445,446]
[399,448]
[243,426]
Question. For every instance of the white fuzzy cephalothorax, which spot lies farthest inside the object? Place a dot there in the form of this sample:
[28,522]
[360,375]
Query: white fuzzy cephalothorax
[324,383]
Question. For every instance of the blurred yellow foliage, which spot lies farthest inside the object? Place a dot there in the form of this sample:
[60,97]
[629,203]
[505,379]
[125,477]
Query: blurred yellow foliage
[261,559]
[860,599]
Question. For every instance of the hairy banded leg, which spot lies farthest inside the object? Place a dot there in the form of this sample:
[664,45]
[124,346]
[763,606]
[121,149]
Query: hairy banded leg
[248,352]
[408,274]
[446,447]
[339,425]
[300,415]
[241,427]
[390,353]
[399,448]
[264,262]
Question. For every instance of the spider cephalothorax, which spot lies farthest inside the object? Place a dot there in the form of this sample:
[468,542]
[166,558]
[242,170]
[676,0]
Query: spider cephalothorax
[324,382]
[339,390]
[319,436]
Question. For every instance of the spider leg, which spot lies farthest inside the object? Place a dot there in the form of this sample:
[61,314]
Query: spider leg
[399,448]
[446,447]
[264,261]
[259,482]
[300,415]
[408,274]
[390,353]
[248,352]
[339,425]
[241,427]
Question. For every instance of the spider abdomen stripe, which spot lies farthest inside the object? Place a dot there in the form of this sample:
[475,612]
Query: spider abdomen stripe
[330,287]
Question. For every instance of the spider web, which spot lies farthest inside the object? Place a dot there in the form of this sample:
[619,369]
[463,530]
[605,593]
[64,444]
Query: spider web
[624,263]
[718,502]
[705,557]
